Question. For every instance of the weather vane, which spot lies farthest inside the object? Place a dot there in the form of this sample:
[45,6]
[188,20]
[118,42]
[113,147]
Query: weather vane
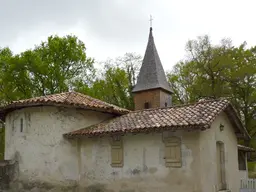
[151,20]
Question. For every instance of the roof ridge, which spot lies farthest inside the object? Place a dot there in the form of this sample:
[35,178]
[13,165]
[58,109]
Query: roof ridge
[42,96]
[69,94]
[70,98]
[181,105]
[92,98]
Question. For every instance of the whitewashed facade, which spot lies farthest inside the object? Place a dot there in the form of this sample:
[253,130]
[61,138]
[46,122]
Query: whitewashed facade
[85,163]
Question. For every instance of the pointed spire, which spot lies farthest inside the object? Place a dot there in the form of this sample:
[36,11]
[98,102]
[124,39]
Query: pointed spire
[151,74]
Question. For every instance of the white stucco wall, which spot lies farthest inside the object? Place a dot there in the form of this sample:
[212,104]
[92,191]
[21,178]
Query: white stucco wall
[44,155]
[208,139]
[144,165]
[42,151]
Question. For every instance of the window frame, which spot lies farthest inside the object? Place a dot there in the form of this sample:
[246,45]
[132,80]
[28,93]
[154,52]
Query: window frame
[117,150]
[146,105]
[21,125]
[242,160]
[173,146]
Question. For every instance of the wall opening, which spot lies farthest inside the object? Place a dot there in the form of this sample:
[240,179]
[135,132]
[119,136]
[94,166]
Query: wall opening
[21,125]
[221,174]
[242,160]
[146,105]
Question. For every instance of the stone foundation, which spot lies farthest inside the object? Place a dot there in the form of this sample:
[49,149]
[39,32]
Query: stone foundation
[34,186]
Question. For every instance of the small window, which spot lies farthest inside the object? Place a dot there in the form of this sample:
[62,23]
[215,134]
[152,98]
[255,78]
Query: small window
[116,152]
[165,104]
[21,125]
[173,152]
[146,105]
[242,160]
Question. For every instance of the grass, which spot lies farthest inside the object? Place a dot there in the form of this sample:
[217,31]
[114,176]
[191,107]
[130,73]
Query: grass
[251,169]
[252,175]
[251,166]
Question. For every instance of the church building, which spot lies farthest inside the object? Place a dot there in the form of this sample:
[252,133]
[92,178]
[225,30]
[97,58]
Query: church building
[73,142]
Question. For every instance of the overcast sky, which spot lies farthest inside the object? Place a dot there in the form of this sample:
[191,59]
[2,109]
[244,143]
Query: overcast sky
[110,28]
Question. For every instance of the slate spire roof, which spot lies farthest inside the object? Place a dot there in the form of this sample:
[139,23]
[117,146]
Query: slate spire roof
[151,74]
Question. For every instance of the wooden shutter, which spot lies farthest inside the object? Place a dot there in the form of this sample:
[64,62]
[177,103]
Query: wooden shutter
[116,153]
[173,156]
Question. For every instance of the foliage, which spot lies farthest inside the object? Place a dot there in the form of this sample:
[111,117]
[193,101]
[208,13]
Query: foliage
[48,68]
[201,75]
[114,84]
[251,169]
[242,80]
[218,71]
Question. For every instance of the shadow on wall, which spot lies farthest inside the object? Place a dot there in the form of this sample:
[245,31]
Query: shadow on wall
[8,173]
[1,141]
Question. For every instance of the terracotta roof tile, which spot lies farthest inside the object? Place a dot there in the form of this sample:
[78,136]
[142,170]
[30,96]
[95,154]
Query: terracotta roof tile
[198,116]
[67,99]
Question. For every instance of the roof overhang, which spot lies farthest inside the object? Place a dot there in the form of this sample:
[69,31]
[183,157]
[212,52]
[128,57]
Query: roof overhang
[240,130]
[153,88]
[245,148]
[17,106]
[66,99]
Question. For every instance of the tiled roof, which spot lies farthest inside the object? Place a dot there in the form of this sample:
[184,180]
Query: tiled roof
[198,116]
[151,74]
[245,148]
[67,99]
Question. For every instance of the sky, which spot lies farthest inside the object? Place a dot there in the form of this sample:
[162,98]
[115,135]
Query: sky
[111,28]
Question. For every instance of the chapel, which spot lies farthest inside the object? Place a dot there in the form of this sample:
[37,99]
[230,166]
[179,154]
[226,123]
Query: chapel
[73,142]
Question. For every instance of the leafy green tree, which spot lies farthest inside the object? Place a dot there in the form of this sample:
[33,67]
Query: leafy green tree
[182,80]
[242,81]
[218,71]
[54,64]
[115,82]
[5,56]
[14,80]
[208,64]
[114,88]
[48,68]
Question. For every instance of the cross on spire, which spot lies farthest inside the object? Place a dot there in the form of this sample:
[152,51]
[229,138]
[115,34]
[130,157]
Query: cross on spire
[151,20]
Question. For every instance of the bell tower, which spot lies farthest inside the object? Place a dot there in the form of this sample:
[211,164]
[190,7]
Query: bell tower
[152,89]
